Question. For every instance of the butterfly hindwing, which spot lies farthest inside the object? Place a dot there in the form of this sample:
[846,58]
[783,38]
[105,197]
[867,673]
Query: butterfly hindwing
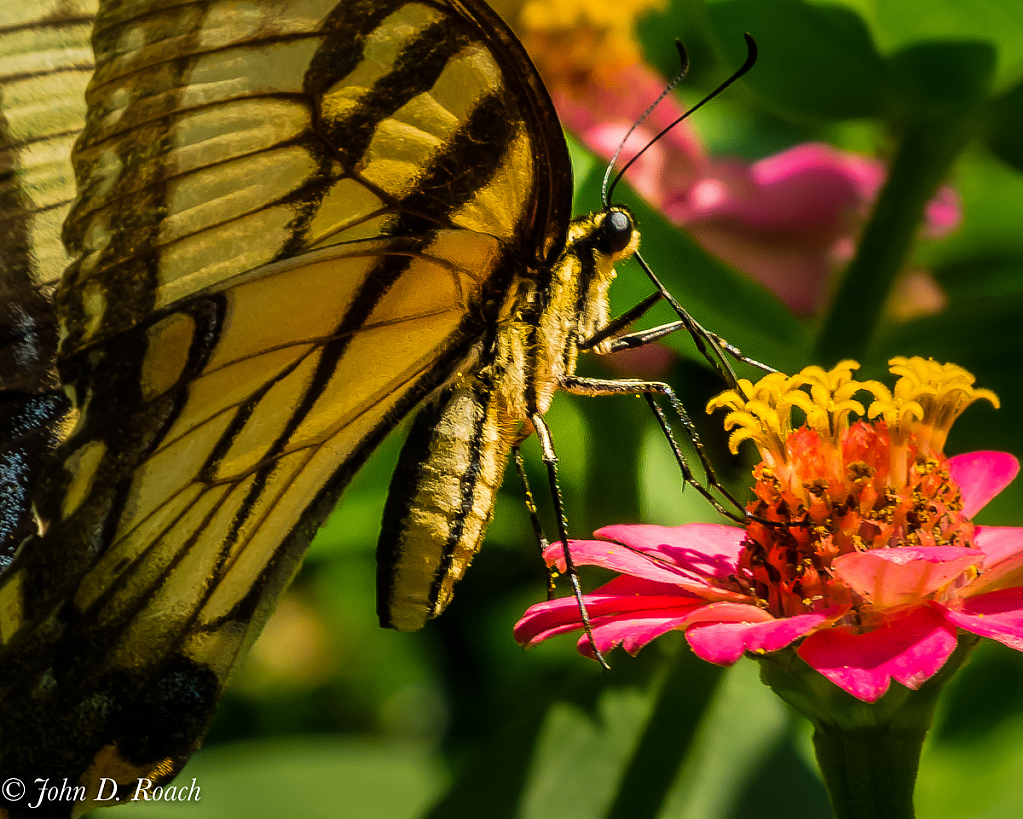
[294,221]
[46,63]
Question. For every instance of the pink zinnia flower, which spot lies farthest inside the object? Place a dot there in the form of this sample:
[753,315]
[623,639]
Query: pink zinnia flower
[790,219]
[871,561]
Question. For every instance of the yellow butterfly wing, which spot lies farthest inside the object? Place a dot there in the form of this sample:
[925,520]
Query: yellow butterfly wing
[294,219]
[45,63]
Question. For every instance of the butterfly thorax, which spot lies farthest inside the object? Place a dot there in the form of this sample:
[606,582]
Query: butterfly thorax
[537,345]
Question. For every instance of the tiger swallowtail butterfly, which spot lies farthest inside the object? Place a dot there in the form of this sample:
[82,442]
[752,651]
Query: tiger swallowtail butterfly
[296,221]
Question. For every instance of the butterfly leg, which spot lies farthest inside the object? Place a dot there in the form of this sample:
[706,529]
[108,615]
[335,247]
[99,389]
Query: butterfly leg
[648,389]
[644,337]
[550,459]
[622,322]
[534,518]
[738,354]
[710,345]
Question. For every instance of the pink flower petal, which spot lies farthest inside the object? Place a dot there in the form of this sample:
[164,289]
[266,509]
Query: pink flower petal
[724,643]
[998,615]
[628,586]
[654,564]
[622,597]
[561,615]
[528,634]
[904,576]
[729,613]
[910,649]
[789,219]
[796,271]
[1003,558]
[999,544]
[632,633]
[808,188]
[944,213]
[705,550]
[634,630]
[541,618]
[981,476]
[615,557]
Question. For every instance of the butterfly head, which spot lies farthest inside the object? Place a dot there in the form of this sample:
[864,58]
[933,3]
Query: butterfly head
[595,244]
[615,235]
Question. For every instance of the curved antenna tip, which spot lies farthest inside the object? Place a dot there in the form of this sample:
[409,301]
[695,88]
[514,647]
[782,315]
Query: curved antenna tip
[608,185]
[751,51]
[683,56]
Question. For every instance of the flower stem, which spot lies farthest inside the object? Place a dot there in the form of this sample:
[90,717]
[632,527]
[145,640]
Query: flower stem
[922,160]
[869,753]
[870,772]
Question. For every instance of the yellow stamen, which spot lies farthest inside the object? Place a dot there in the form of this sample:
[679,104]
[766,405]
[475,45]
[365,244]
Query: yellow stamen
[926,400]
[762,412]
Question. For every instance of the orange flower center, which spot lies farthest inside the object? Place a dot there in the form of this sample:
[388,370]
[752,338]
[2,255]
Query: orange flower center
[848,504]
[835,485]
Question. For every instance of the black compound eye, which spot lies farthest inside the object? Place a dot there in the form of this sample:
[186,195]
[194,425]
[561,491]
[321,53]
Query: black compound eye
[615,232]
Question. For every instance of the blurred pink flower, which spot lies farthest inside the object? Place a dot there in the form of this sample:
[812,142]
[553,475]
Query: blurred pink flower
[872,566]
[787,220]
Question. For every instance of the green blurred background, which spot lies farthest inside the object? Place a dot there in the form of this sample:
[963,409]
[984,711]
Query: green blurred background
[332,716]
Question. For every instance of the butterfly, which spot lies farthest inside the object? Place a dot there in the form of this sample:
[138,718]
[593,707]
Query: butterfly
[295,224]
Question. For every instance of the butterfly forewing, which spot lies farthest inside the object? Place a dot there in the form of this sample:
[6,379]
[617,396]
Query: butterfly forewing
[294,221]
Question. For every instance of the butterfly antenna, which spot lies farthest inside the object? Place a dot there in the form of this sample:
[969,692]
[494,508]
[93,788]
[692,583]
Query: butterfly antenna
[751,59]
[605,193]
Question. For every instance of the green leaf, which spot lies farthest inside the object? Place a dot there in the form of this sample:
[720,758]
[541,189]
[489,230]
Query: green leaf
[973,766]
[936,81]
[580,758]
[993,23]
[740,731]
[816,61]
[562,752]
[668,737]
[1004,137]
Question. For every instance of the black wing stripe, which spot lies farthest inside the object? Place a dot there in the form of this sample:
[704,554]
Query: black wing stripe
[72,19]
[418,66]
[136,574]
